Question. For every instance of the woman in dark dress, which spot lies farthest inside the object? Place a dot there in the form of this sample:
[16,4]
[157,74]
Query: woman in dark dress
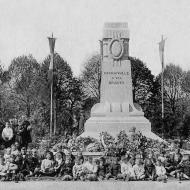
[26,136]
[19,133]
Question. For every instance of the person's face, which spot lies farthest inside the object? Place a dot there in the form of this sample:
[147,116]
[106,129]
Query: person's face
[177,157]
[7,124]
[13,148]
[58,156]
[23,151]
[94,162]
[11,159]
[81,161]
[132,161]
[137,161]
[177,151]
[34,153]
[85,159]
[90,160]
[8,151]
[79,154]
[77,162]
[148,162]
[11,121]
[48,156]
[29,152]
[68,159]
[19,122]
[74,136]
[162,155]
[158,163]
[101,163]
[17,145]
[1,161]
[125,161]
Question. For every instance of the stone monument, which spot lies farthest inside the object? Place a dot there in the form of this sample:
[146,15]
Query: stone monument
[116,110]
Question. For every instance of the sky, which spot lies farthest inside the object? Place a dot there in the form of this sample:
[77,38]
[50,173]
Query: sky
[78,27]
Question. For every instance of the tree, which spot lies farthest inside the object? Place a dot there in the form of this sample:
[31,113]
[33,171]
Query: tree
[173,77]
[175,103]
[143,85]
[186,82]
[91,77]
[67,93]
[23,73]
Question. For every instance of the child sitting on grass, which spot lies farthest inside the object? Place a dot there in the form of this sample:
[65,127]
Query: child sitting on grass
[14,150]
[127,171]
[184,165]
[59,162]
[150,171]
[47,165]
[113,169]
[2,167]
[7,154]
[91,174]
[66,169]
[160,171]
[23,165]
[78,170]
[34,162]
[101,174]
[138,169]
[10,169]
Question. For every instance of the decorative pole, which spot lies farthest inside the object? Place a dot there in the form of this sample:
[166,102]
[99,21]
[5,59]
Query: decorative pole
[161,51]
[51,45]
[100,68]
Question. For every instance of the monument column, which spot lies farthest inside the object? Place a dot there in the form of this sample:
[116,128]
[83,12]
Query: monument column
[116,110]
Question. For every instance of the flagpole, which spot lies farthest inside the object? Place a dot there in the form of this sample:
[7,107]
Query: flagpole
[161,49]
[51,45]
[51,111]
[101,60]
[162,98]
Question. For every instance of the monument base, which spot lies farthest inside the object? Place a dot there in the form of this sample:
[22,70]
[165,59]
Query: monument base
[113,125]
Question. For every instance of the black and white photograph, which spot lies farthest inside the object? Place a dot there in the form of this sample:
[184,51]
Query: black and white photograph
[94,94]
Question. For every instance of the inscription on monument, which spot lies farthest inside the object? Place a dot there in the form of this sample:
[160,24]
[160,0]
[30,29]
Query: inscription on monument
[116,78]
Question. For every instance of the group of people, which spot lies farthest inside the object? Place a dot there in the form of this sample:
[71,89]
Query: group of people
[22,163]
[15,131]
[18,162]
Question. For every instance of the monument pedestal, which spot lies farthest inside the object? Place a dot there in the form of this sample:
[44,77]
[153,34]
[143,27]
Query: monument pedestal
[116,110]
[113,125]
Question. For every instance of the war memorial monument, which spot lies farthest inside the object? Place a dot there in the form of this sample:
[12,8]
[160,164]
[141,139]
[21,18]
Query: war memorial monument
[116,110]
